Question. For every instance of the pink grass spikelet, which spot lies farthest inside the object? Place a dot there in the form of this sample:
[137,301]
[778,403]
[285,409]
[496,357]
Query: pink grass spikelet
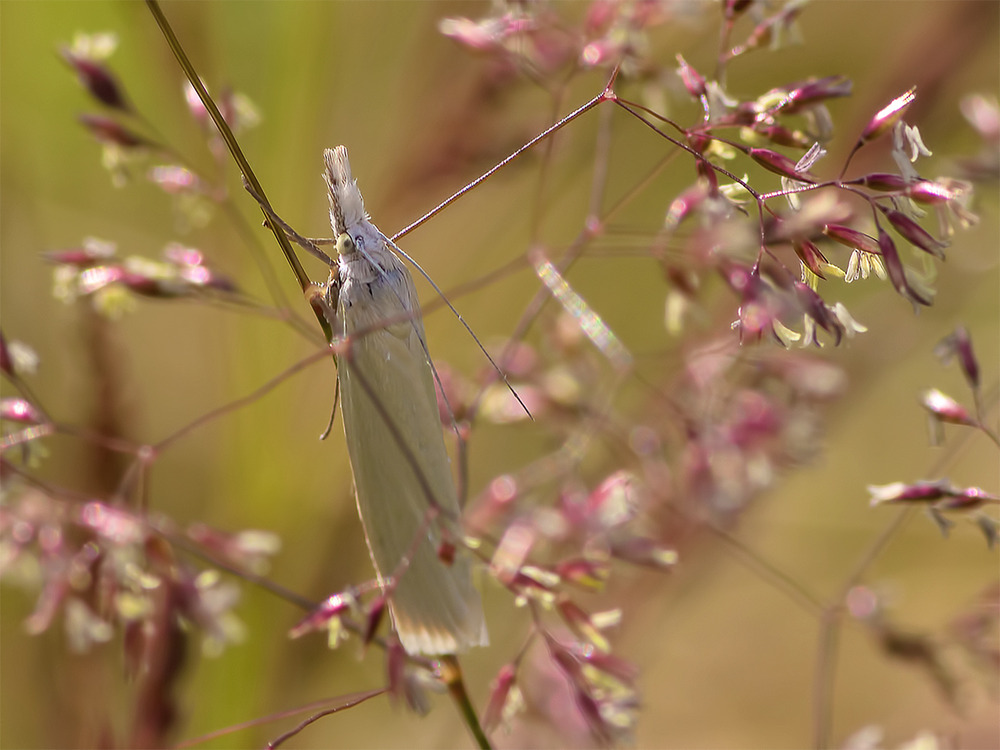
[959,344]
[945,408]
[99,82]
[915,234]
[108,130]
[888,116]
[20,410]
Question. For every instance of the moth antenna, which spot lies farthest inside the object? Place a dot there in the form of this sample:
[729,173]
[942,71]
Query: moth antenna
[347,208]
[458,315]
[309,245]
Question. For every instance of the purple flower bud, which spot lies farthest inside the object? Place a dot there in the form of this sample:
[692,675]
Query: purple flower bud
[736,7]
[888,116]
[914,233]
[562,656]
[685,204]
[97,277]
[20,410]
[599,16]
[940,494]
[446,552]
[810,255]
[745,115]
[580,623]
[590,709]
[709,176]
[884,181]
[332,607]
[782,136]
[395,664]
[248,550]
[195,105]
[739,278]
[945,408]
[98,81]
[851,238]
[486,34]
[532,581]
[683,279]
[694,81]
[571,667]
[930,193]
[966,499]
[765,31]
[161,557]
[55,592]
[622,670]
[499,690]
[960,343]
[600,52]
[107,130]
[183,255]
[898,492]
[699,142]
[147,287]
[614,502]
[778,163]
[174,179]
[513,550]
[980,494]
[644,551]
[81,257]
[815,91]
[897,273]
[814,306]
[591,574]
[114,524]
[376,610]
[73,257]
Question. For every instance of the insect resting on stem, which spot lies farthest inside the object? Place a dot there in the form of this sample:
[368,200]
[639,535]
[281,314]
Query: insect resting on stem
[405,492]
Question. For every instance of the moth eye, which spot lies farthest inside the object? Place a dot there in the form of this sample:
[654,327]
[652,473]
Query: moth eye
[345,245]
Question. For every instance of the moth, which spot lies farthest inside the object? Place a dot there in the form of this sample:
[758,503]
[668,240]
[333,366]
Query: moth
[393,429]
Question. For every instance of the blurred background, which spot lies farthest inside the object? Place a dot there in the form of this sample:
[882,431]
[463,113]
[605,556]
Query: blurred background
[726,659]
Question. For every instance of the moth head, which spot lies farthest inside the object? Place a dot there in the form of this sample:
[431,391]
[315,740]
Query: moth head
[345,244]
[347,208]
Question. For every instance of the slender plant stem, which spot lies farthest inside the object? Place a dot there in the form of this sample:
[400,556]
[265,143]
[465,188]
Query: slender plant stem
[451,675]
[234,147]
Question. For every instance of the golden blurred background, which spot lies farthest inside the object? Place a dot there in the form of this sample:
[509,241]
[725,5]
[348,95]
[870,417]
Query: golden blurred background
[726,659]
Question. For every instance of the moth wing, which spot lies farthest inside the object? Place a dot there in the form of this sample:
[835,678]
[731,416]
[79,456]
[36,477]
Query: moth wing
[435,607]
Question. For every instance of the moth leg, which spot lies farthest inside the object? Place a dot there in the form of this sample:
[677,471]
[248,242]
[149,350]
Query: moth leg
[333,412]
[323,297]
[311,246]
